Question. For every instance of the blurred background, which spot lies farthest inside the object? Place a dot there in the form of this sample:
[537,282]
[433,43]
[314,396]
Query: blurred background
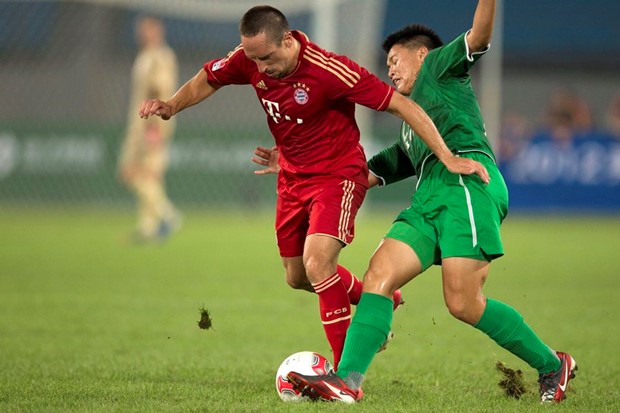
[549,87]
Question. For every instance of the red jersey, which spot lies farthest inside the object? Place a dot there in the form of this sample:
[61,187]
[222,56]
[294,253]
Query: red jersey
[311,112]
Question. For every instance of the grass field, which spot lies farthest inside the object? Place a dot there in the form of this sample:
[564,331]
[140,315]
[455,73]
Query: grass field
[90,323]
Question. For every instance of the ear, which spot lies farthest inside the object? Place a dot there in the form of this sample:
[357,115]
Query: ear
[422,52]
[288,39]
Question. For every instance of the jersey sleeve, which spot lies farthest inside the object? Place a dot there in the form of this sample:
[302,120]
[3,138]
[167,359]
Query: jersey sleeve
[391,165]
[453,59]
[230,70]
[356,84]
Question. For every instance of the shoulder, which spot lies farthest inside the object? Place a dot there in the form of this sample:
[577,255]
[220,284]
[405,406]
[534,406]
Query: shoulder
[235,54]
[335,67]
[453,59]
[235,58]
[458,49]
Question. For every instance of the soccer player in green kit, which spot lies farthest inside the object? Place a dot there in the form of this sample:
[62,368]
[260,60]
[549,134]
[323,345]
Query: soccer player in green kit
[453,220]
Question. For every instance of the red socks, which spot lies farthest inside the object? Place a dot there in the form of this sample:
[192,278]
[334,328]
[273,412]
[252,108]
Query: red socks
[336,294]
[354,287]
[351,283]
[335,312]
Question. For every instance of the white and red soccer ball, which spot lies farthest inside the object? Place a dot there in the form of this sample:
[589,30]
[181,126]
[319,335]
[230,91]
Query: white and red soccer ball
[304,362]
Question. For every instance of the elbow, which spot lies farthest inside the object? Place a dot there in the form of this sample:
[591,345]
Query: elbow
[484,40]
[478,39]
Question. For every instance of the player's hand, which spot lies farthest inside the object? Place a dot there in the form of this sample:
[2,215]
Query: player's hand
[267,157]
[465,166]
[155,107]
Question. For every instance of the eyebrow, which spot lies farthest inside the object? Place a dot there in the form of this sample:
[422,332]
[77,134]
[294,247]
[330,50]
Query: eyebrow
[265,57]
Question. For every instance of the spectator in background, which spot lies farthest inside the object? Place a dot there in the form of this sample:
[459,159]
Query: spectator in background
[567,116]
[144,154]
[515,134]
[613,116]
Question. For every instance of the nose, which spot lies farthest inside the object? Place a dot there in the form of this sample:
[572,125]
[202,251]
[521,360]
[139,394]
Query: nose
[391,72]
[262,67]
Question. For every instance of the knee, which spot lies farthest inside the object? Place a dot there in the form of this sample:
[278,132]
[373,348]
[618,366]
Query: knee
[296,276]
[457,310]
[467,311]
[318,269]
[377,280]
[298,282]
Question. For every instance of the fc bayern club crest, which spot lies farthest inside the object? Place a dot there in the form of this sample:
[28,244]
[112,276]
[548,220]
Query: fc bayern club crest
[301,93]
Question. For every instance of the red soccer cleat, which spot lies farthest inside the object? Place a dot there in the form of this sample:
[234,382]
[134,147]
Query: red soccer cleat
[328,387]
[397,297]
[553,385]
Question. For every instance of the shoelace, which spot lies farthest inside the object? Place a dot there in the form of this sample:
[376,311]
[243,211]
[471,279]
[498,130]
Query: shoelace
[547,385]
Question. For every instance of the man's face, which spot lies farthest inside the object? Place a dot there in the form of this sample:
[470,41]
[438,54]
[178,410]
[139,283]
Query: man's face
[403,66]
[274,59]
[149,31]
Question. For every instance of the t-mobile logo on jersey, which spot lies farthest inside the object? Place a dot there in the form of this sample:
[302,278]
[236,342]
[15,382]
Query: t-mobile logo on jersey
[338,311]
[273,109]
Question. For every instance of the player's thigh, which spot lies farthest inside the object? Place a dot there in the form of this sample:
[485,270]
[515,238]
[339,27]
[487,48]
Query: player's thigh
[320,206]
[321,256]
[413,230]
[464,276]
[471,214]
[393,264]
[291,226]
[334,208]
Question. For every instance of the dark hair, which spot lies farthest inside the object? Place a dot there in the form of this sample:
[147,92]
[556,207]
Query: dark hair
[412,37]
[265,19]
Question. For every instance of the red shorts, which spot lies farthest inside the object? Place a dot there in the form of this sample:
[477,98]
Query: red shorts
[319,205]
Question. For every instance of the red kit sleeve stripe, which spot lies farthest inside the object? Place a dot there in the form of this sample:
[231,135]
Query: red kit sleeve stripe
[337,68]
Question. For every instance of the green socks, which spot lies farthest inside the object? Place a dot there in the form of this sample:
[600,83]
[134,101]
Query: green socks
[368,330]
[372,322]
[506,327]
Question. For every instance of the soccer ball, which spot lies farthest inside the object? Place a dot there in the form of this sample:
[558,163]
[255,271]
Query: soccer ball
[304,362]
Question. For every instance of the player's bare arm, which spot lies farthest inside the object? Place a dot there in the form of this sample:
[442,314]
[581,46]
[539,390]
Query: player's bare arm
[373,180]
[424,127]
[481,31]
[192,92]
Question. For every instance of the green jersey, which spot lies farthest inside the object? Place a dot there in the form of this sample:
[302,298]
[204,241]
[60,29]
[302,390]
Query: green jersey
[443,89]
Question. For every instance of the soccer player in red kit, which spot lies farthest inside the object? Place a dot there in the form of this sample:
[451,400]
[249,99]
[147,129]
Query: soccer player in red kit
[309,96]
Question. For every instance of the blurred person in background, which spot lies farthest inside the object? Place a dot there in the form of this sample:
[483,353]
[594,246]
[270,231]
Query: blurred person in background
[515,134]
[145,150]
[453,221]
[613,116]
[567,116]
[309,96]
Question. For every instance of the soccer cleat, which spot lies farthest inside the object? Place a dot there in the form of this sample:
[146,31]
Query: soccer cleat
[386,342]
[553,385]
[327,387]
[397,297]
[398,301]
[168,226]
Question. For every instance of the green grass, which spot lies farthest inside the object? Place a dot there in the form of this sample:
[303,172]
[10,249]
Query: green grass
[90,323]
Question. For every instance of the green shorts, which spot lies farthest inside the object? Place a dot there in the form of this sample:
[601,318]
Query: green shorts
[454,215]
